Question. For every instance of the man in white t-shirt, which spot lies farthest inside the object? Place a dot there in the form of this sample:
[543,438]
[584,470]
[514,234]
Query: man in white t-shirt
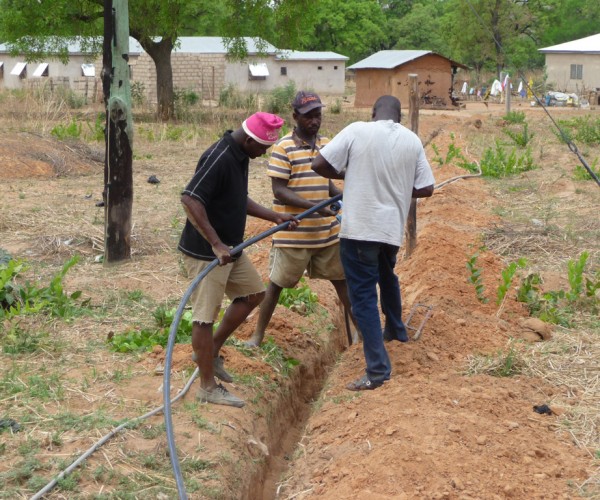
[383,165]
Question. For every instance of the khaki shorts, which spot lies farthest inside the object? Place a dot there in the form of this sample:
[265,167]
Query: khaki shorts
[236,279]
[288,264]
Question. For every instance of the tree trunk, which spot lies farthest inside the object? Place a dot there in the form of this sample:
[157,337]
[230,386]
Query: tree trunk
[160,52]
[118,171]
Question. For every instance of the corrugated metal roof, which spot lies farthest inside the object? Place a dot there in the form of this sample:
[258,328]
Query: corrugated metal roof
[588,45]
[297,55]
[388,59]
[74,46]
[215,45]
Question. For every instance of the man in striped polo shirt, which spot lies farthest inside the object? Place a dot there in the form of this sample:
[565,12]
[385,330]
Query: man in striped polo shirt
[313,246]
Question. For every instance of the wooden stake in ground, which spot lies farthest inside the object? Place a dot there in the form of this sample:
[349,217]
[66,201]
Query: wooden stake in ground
[118,171]
[413,114]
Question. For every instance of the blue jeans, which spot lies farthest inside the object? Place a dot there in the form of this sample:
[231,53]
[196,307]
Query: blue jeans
[366,264]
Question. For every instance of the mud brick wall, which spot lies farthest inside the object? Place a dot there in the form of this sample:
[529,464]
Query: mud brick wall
[434,77]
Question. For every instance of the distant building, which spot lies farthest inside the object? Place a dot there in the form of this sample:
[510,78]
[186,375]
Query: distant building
[574,66]
[199,64]
[80,74]
[386,72]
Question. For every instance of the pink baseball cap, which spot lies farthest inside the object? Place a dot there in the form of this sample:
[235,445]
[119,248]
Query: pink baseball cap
[263,127]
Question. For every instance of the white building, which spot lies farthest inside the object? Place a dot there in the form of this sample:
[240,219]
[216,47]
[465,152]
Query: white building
[199,64]
[574,66]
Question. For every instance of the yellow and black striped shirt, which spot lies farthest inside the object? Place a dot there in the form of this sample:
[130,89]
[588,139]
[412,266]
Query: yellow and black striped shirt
[291,159]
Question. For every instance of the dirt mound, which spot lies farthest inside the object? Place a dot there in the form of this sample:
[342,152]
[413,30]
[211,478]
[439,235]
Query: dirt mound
[26,155]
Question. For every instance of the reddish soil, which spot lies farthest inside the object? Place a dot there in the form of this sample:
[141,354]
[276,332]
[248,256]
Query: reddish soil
[431,432]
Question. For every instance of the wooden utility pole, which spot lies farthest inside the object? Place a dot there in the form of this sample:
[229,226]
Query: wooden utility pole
[413,114]
[118,171]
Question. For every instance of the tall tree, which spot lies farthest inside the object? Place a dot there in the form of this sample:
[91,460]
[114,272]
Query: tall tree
[419,28]
[482,32]
[355,28]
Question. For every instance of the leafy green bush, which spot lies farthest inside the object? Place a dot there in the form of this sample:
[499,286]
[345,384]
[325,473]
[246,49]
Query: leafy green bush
[17,298]
[583,129]
[558,306]
[70,131]
[145,339]
[514,117]
[97,131]
[497,163]
[521,138]
[280,99]
[581,174]
[71,98]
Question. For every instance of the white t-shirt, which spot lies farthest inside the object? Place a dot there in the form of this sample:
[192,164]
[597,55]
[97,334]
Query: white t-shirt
[383,161]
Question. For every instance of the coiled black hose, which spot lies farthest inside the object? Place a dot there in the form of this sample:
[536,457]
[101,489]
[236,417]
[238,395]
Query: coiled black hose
[173,334]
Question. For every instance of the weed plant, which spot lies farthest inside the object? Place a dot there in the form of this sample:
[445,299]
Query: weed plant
[514,117]
[230,97]
[498,163]
[18,298]
[507,275]
[583,129]
[146,338]
[559,306]
[522,137]
[280,98]
[301,298]
[581,174]
[69,131]
[475,278]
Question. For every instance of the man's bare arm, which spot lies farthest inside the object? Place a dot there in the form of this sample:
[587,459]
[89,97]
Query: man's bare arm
[322,167]
[425,192]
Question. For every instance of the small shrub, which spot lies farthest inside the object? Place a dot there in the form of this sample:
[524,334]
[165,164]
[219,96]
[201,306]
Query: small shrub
[584,129]
[336,107]
[70,131]
[97,130]
[138,93]
[231,97]
[16,298]
[475,278]
[581,174]
[521,138]
[558,306]
[497,163]
[280,99]
[514,117]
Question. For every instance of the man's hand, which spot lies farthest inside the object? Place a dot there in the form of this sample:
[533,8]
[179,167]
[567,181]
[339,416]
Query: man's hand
[327,212]
[222,252]
[281,218]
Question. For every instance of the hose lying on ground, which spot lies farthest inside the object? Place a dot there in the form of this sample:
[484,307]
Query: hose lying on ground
[166,407]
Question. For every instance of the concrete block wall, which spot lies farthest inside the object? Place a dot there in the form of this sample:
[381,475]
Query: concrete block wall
[201,73]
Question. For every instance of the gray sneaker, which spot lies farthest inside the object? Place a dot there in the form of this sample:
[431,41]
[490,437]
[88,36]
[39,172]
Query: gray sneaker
[218,368]
[219,396]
